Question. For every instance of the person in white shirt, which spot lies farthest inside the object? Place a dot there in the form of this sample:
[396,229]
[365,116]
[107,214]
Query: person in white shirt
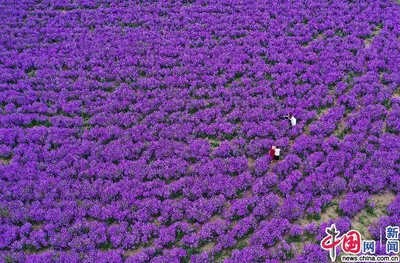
[292,119]
[277,153]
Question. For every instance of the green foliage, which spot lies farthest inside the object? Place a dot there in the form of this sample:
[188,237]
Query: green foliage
[294,239]
[31,71]
[241,245]
[237,36]
[230,136]
[370,210]
[179,234]
[105,246]
[313,216]
[193,110]
[289,254]
[309,121]
[189,253]
[110,221]
[308,236]
[343,133]
[142,73]
[238,75]
[132,25]
[110,139]
[29,248]
[268,76]
[221,255]
[191,159]
[54,146]
[339,211]
[35,123]
[9,259]
[353,51]
[362,220]
[325,206]
[269,62]
[387,103]
[85,230]
[214,144]
[341,33]
[351,75]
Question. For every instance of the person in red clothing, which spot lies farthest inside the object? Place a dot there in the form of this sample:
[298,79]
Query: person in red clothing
[272,152]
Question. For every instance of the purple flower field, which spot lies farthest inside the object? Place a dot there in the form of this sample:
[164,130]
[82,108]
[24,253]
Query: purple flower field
[139,131]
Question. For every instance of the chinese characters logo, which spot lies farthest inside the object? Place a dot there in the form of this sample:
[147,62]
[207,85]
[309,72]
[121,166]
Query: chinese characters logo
[351,242]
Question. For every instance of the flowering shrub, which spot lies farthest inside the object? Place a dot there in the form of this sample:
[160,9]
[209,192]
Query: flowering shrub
[270,232]
[353,203]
